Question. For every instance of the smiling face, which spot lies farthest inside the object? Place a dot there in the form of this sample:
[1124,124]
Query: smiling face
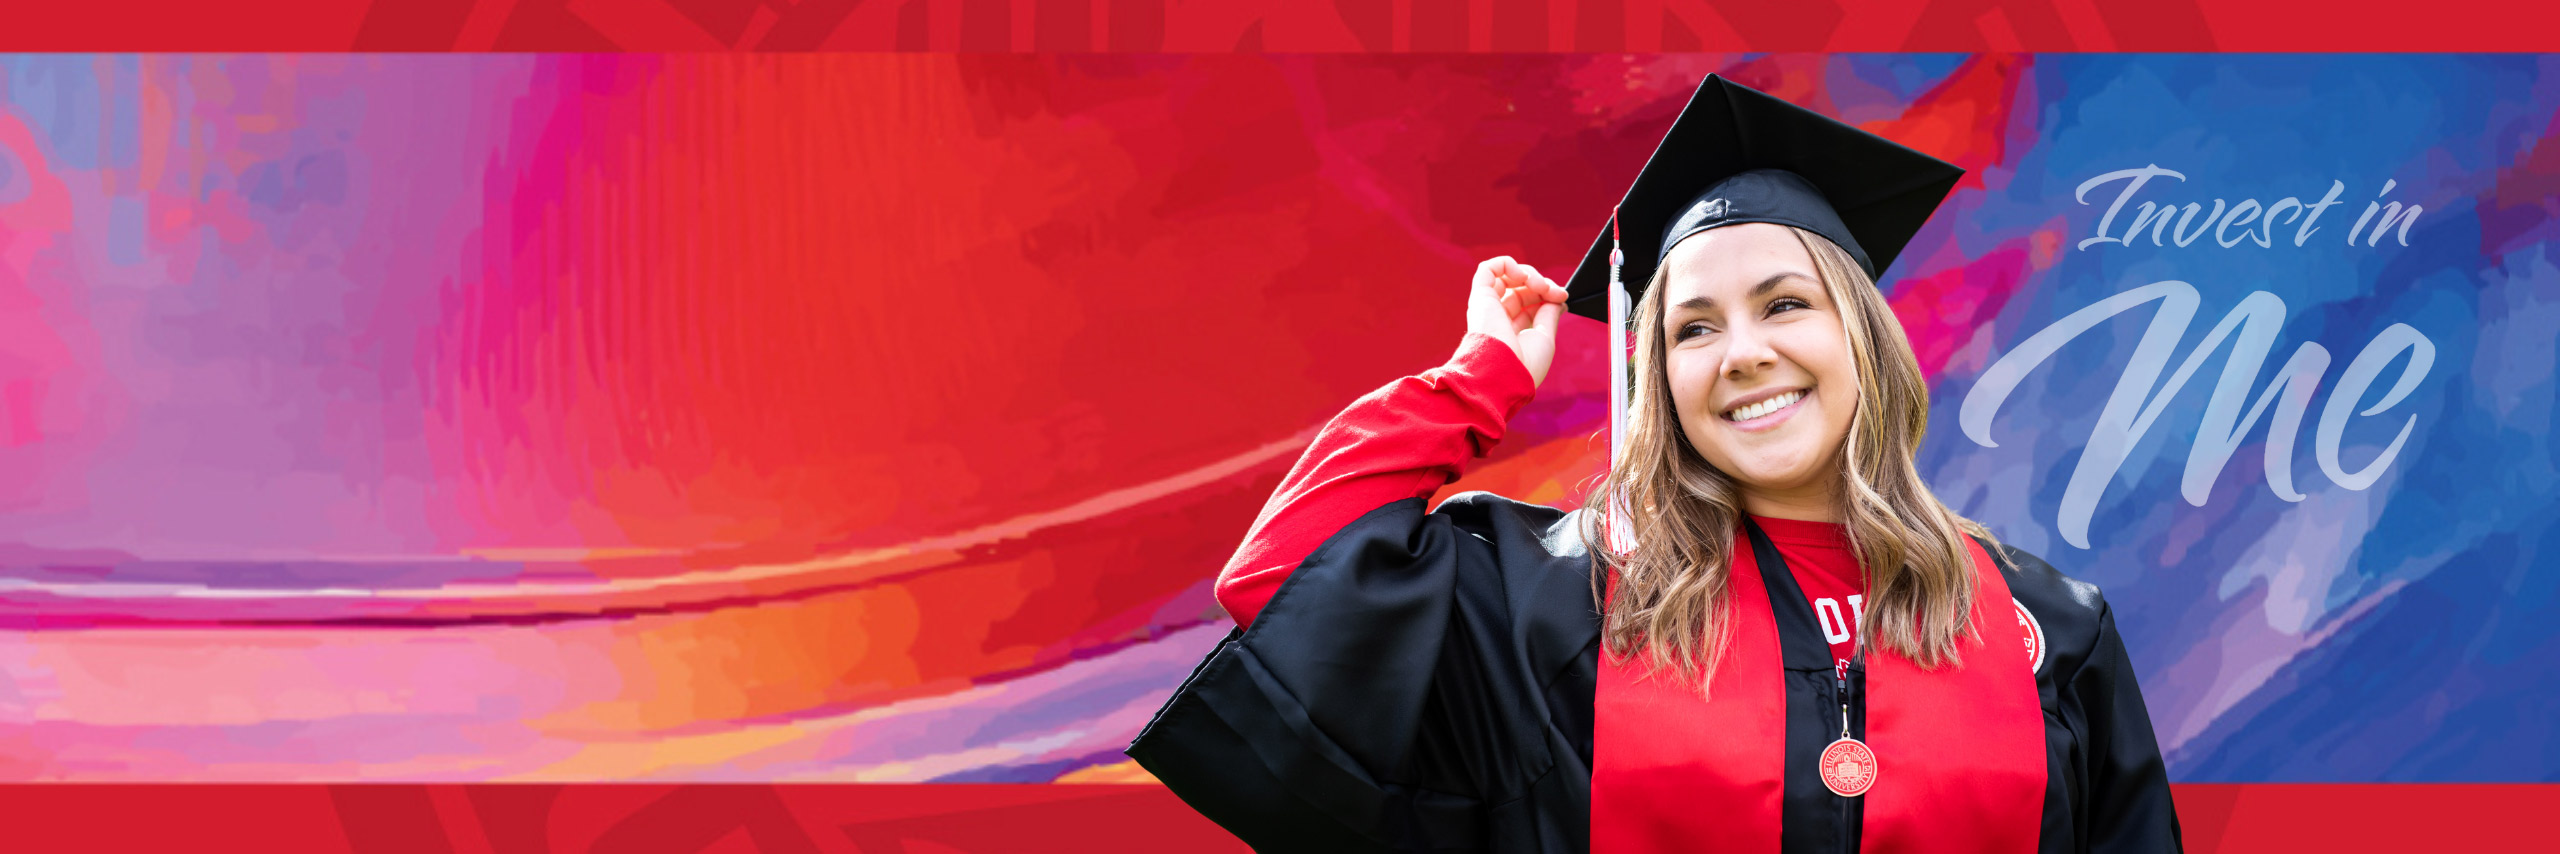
[1758,366]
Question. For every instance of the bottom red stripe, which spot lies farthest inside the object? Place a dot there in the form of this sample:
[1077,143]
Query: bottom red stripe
[862,819]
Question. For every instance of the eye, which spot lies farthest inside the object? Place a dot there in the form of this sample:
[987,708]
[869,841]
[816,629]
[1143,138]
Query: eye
[1691,330]
[1783,303]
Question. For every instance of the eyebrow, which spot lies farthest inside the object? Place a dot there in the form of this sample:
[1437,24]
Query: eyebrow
[1702,303]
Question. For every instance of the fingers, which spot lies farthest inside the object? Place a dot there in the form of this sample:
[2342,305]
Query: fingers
[1539,288]
[1491,308]
[1523,291]
[1487,278]
[1499,277]
[1555,293]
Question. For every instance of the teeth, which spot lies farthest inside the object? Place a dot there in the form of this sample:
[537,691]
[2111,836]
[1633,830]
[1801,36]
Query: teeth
[1763,407]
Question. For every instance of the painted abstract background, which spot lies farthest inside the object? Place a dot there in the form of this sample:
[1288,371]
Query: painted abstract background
[870,417]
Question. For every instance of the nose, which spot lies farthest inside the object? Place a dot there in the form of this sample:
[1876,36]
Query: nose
[1746,351]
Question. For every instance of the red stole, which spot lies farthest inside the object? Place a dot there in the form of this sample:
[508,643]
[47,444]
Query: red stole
[1960,751]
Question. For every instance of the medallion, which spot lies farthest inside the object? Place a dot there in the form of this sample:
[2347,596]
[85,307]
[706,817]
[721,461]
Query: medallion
[1848,767]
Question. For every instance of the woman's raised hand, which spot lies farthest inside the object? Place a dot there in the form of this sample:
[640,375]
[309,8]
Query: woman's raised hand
[1514,304]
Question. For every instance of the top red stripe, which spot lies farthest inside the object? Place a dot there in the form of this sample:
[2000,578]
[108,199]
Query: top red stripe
[1219,26]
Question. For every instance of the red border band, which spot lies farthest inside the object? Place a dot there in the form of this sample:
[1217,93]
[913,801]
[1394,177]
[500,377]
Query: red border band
[1219,26]
[609,817]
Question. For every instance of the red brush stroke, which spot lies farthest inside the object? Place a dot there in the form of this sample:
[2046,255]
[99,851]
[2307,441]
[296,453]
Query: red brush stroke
[1962,118]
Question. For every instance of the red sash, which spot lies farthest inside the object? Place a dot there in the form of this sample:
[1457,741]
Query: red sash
[1960,750]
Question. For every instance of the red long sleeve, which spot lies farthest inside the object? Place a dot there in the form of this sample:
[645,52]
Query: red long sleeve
[1404,440]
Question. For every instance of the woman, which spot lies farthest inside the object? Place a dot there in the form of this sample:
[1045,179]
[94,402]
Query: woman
[1787,644]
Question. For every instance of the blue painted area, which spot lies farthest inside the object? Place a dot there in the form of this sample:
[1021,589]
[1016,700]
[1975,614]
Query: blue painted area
[2395,633]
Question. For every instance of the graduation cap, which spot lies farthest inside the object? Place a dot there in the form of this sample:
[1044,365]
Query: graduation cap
[1737,155]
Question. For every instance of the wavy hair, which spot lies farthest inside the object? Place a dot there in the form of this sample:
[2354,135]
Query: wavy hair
[1667,600]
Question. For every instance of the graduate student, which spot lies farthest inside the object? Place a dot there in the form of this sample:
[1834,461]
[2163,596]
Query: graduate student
[1779,640]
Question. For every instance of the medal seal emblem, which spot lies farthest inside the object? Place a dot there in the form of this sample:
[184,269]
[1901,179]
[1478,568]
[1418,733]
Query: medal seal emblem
[1848,767]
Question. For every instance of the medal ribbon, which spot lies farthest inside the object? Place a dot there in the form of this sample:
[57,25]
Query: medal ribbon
[1673,771]
[1974,778]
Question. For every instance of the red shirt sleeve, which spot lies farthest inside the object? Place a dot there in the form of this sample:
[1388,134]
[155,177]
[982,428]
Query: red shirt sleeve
[1404,440]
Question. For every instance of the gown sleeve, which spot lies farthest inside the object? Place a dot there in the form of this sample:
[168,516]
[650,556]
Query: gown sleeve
[1415,681]
[1404,440]
[2129,807]
[2107,788]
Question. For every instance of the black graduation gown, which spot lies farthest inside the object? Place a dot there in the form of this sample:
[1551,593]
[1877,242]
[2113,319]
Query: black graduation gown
[1423,682]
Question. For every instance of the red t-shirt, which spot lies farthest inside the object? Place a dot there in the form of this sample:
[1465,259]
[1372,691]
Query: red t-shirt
[1818,556]
[1416,434]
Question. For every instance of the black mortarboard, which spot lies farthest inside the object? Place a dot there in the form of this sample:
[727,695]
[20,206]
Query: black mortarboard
[1737,155]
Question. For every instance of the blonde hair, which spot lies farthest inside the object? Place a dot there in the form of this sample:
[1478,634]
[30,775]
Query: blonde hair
[1671,597]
